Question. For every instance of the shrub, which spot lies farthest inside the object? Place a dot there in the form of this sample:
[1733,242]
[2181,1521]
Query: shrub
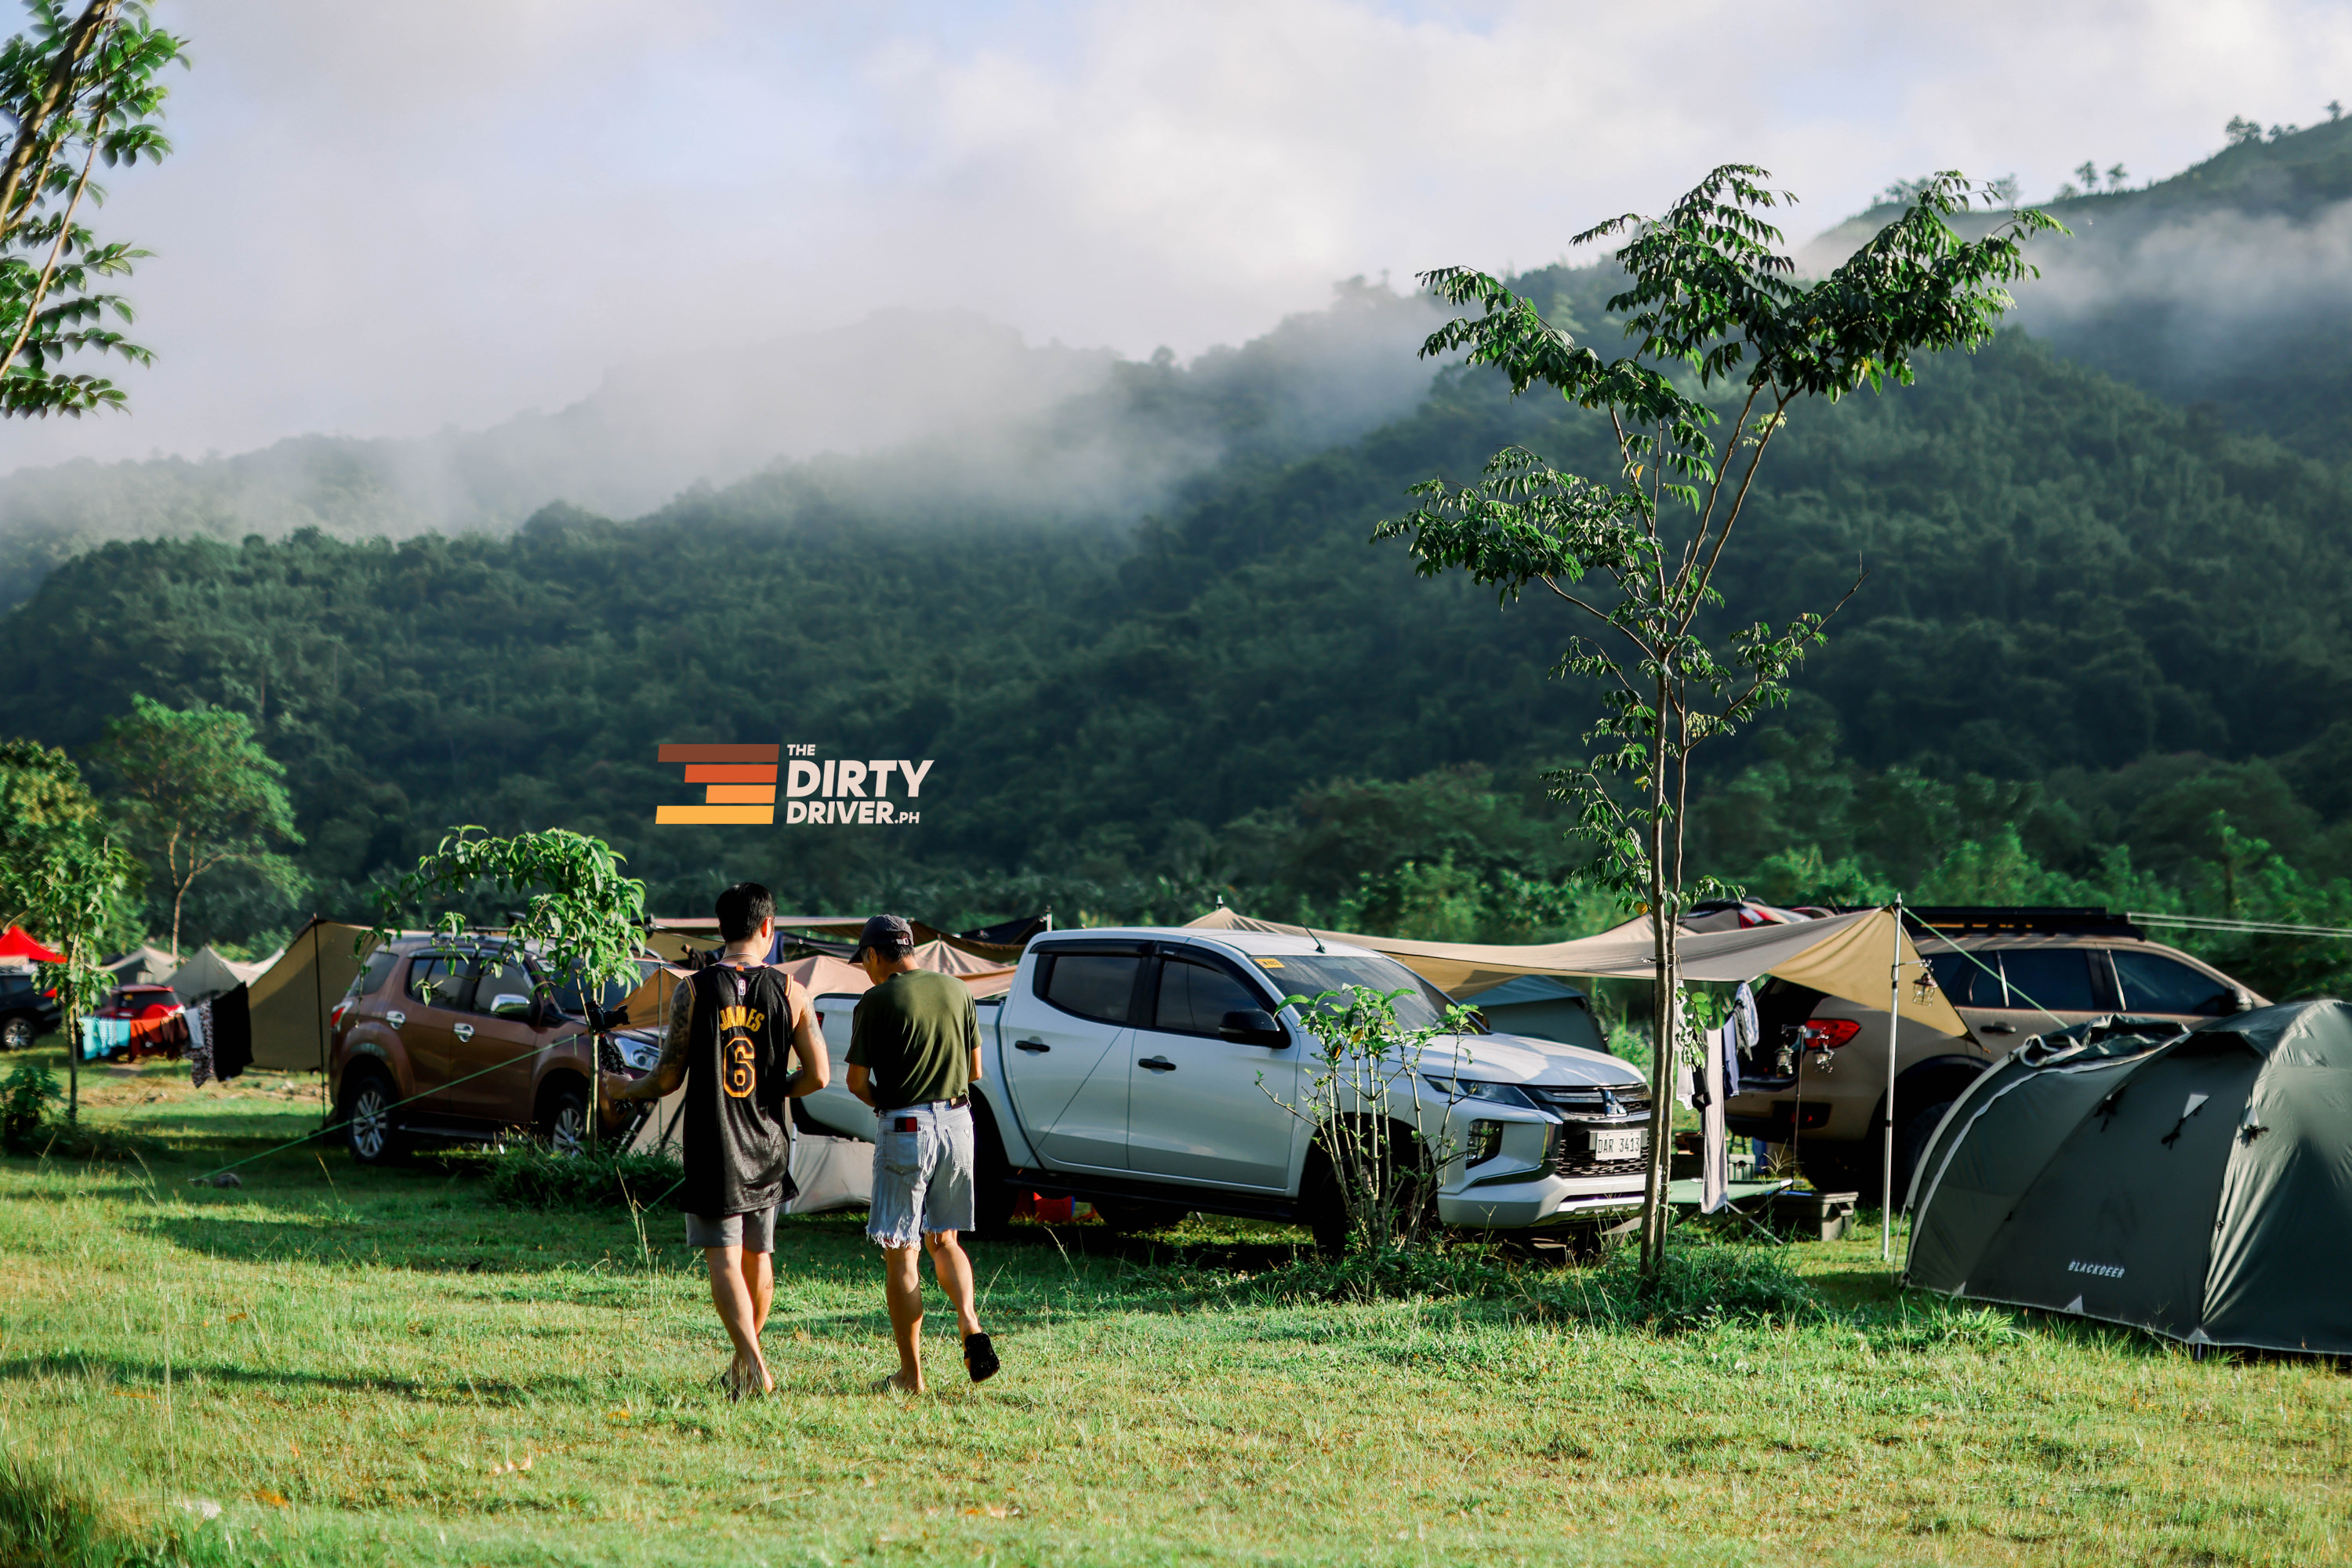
[26,1096]
[532,1176]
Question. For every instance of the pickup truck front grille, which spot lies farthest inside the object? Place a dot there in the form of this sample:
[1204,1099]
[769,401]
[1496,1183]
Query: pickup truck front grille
[1584,1110]
[1592,1103]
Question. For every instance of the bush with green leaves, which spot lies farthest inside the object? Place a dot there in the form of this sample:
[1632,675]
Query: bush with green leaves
[26,1096]
[1382,1154]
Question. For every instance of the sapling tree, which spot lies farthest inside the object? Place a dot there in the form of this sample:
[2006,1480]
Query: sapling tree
[570,906]
[74,878]
[1719,323]
[1360,1102]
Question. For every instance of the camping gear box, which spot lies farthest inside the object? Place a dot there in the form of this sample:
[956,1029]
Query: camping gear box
[1815,1216]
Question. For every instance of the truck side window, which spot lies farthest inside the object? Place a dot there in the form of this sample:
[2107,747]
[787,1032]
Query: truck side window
[1966,980]
[1097,985]
[379,969]
[437,979]
[2056,978]
[2154,984]
[511,982]
[1194,998]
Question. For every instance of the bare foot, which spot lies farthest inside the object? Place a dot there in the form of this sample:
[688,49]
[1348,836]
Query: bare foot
[897,1383]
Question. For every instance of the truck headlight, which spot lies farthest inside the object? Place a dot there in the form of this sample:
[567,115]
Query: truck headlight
[1485,1142]
[1494,1093]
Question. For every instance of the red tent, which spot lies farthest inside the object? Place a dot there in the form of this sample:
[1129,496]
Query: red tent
[16,947]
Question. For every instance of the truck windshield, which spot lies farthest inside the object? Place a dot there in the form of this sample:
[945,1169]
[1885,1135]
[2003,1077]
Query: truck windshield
[1422,1006]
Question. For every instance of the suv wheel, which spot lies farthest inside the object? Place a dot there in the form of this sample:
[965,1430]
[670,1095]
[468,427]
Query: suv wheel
[563,1121]
[369,1126]
[17,1032]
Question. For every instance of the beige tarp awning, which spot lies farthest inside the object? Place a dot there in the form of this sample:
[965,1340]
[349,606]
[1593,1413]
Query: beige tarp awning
[292,1000]
[648,1004]
[1845,956]
[671,938]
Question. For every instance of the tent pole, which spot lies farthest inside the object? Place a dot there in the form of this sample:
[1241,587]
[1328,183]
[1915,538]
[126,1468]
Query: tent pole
[1886,1159]
[318,1011]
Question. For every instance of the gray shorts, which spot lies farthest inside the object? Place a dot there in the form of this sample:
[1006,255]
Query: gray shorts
[922,1174]
[753,1232]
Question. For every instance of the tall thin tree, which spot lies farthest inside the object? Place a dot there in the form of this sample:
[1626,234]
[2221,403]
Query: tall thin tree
[1709,302]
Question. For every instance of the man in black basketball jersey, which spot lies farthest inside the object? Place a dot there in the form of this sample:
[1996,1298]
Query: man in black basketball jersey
[732,1025]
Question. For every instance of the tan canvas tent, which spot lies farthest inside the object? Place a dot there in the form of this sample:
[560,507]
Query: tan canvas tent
[1847,956]
[292,1000]
[208,974]
[142,966]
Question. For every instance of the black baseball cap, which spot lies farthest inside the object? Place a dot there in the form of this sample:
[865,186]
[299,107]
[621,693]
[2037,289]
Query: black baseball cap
[890,935]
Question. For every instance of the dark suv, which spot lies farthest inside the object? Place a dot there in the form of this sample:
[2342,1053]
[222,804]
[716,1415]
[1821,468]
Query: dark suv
[1816,1082]
[27,1012]
[441,1039]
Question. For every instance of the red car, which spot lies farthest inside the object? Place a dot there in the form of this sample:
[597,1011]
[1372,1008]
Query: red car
[137,1021]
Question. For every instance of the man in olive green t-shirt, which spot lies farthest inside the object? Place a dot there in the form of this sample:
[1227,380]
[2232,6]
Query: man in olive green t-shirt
[914,1055]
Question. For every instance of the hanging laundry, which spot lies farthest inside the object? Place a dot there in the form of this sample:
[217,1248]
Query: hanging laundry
[1742,1037]
[232,1034]
[200,1044]
[1715,1153]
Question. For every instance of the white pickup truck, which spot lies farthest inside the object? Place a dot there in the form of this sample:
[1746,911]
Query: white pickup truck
[1148,1071]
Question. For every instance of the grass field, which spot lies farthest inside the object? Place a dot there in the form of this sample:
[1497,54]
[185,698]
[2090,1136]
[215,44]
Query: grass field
[364,1367]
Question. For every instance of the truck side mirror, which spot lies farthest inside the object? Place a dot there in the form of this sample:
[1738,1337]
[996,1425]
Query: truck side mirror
[1252,1027]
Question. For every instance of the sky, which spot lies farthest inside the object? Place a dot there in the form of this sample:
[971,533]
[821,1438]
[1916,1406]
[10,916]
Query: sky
[389,219]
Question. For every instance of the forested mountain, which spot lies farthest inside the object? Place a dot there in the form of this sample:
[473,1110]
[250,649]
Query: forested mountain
[2226,284]
[2093,620]
[927,412]
[2067,580]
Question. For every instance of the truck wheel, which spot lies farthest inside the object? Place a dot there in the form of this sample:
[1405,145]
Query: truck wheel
[992,1179]
[1320,1209]
[563,1121]
[371,1125]
[1135,1219]
[17,1032]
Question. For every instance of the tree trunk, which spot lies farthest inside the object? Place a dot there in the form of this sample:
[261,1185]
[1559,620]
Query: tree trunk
[1655,1207]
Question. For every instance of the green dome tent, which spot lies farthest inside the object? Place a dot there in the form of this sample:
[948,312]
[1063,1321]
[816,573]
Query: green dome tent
[2200,1187]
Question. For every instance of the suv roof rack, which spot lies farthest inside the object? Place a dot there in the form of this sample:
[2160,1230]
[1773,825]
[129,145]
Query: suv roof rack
[1983,920]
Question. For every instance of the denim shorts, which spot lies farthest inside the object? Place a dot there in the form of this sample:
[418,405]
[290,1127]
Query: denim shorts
[753,1232]
[922,1174]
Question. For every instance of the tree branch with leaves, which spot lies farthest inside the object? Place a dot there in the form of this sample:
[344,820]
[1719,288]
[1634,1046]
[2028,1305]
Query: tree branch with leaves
[565,901]
[77,90]
[1716,314]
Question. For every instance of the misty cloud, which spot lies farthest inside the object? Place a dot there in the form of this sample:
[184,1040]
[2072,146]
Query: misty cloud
[391,220]
[939,414]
